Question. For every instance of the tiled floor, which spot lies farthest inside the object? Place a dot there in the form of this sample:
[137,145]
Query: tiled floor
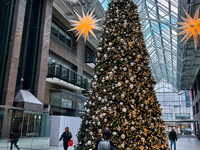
[182,144]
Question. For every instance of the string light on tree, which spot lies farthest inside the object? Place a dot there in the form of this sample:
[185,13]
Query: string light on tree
[123,87]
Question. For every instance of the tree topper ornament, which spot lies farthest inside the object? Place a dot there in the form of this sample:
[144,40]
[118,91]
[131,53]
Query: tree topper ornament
[190,27]
[85,25]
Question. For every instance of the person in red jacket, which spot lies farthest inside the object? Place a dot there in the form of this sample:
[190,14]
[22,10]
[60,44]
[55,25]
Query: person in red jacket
[66,136]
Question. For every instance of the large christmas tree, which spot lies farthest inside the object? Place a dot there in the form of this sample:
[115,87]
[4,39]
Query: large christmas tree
[122,97]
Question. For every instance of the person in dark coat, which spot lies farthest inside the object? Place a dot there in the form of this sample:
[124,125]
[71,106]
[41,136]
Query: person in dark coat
[106,136]
[173,138]
[14,136]
[66,136]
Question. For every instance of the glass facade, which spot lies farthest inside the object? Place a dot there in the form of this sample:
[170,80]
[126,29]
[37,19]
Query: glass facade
[67,103]
[28,123]
[167,116]
[184,116]
[90,56]
[34,129]
[174,104]
[61,34]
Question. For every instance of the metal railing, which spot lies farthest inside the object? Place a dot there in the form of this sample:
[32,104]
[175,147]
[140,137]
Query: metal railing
[66,74]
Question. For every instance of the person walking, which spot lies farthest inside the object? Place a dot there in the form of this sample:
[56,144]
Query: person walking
[14,136]
[66,136]
[104,143]
[173,138]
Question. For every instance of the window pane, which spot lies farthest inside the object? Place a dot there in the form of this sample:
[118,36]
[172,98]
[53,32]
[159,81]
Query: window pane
[62,35]
[68,40]
[54,29]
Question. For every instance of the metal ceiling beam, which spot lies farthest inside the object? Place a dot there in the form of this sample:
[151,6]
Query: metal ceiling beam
[145,5]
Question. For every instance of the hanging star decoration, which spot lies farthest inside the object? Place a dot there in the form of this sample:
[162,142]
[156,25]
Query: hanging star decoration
[85,25]
[190,27]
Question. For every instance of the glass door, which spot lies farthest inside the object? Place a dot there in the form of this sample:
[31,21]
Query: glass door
[17,121]
[25,124]
[34,124]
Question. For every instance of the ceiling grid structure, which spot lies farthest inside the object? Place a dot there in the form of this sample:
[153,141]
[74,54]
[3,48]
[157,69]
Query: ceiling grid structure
[171,61]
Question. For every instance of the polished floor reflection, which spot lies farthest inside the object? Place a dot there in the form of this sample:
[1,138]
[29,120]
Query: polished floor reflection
[40,143]
[184,143]
[33,143]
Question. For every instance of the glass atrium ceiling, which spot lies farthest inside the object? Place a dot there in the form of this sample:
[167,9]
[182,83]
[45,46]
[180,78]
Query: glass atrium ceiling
[159,30]
[171,61]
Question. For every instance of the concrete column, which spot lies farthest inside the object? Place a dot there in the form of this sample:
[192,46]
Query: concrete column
[6,123]
[80,55]
[43,52]
[12,64]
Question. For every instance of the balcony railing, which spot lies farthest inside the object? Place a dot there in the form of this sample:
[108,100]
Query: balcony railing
[67,75]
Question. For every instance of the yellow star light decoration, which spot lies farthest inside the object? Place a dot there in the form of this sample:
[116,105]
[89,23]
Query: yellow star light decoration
[85,25]
[190,26]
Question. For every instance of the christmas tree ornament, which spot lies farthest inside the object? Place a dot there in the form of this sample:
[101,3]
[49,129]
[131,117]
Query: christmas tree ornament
[123,136]
[190,27]
[132,64]
[131,86]
[124,109]
[124,68]
[89,142]
[119,128]
[107,77]
[123,95]
[86,122]
[125,122]
[122,145]
[132,128]
[131,79]
[85,25]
